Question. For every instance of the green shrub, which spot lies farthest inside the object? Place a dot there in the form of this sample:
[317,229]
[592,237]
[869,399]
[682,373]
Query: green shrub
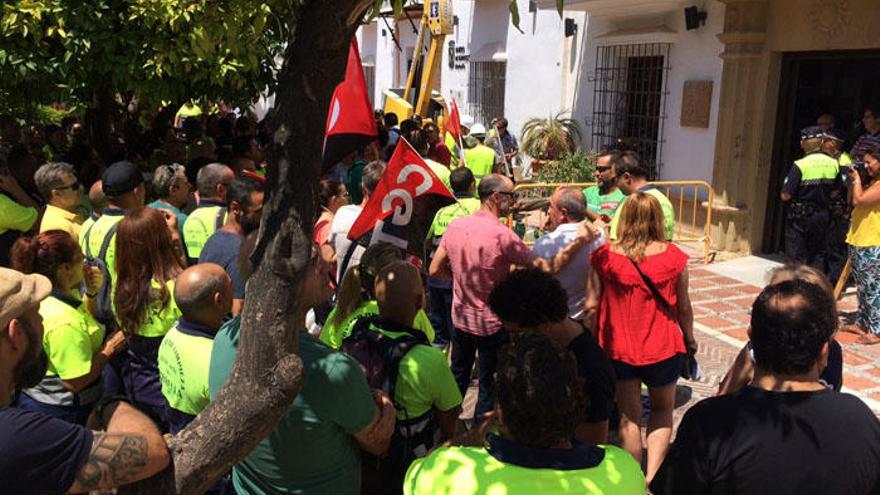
[579,166]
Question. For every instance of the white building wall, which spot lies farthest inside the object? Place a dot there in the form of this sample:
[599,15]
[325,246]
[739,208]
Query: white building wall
[538,60]
[454,81]
[688,153]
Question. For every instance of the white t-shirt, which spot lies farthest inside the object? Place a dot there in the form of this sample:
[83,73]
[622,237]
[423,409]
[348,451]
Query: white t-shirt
[342,222]
[573,277]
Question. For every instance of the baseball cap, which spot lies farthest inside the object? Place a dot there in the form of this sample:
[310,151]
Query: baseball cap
[20,292]
[120,178]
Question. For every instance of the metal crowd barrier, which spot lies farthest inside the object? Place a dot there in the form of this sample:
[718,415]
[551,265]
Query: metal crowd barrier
[691,199]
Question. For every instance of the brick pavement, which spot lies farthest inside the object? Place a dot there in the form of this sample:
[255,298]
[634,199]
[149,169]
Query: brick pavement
[722,305]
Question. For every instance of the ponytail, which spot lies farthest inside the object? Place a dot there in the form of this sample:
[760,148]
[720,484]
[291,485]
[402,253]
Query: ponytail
[24,254]
[44,253]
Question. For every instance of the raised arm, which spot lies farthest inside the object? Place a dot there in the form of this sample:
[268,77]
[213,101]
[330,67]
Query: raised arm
[587,233]
[130,450]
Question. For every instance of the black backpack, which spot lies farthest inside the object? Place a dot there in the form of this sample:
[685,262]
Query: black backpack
[104,310]
[379,357]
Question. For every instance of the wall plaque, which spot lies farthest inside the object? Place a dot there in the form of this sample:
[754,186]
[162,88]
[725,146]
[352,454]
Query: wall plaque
[696,104]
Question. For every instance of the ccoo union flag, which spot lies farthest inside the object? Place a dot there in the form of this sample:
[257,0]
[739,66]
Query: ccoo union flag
[350,122]
[403,206]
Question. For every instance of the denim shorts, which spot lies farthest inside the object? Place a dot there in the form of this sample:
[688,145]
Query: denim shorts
[655,375]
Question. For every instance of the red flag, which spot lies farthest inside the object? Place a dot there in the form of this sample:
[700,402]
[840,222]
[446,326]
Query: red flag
[453,123]
[350,122]
[402,207]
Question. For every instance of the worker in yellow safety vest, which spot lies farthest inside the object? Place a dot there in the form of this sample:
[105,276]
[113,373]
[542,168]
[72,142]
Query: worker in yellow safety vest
[481,159]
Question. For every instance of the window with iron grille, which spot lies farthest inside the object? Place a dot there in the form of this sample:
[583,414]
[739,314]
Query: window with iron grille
[629,99]
[486,90]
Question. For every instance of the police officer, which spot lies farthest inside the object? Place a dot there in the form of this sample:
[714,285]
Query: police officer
[808,189]
[212,182]
[840,207]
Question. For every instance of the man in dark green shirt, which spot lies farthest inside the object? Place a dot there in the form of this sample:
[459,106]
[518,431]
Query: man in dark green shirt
[315,448]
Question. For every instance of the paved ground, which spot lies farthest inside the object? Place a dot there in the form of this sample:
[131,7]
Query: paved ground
[722,295]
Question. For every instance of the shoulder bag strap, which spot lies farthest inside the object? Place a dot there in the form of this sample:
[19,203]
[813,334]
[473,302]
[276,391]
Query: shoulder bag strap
[654,292]
[88,252]
[105,245]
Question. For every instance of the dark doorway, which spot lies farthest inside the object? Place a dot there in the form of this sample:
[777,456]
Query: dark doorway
[812,83]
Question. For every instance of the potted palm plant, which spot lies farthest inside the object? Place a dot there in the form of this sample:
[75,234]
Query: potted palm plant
[548,139]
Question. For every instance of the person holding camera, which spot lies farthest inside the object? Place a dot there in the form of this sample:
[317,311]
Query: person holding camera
[864,244]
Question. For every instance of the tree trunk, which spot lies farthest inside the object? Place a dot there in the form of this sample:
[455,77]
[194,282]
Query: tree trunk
[267,373]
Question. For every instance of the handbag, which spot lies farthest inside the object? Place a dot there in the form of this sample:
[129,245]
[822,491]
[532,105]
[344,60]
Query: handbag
[690,368]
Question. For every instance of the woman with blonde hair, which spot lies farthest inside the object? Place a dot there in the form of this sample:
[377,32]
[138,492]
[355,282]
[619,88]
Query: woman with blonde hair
[356,299]
[638,305]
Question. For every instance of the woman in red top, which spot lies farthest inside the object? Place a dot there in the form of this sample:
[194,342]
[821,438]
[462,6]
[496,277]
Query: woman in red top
[642,338]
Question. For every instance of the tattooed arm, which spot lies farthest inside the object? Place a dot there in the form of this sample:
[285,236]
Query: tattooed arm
[130,450]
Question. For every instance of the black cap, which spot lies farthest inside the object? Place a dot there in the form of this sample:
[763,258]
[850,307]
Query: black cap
[812,132]
[120,178]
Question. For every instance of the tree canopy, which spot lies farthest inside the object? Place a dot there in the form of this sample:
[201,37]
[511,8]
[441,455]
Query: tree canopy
[156,50]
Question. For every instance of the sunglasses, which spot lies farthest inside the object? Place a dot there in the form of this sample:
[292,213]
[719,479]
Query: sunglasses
[509,194]
[75,186]
[603,169]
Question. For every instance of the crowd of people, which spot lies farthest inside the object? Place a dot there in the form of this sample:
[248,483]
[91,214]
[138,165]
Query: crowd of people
[122,292]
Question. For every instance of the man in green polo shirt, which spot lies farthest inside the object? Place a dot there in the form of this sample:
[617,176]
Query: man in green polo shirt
[425,391]
[204,295]
[539,400]
[212,183]
[631,178]
[604,198]
[315,449]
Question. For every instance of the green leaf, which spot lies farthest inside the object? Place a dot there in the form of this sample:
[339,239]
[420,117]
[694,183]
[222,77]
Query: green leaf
[514,14]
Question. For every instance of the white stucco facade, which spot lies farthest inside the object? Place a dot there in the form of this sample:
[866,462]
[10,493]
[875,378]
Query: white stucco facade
[548,73]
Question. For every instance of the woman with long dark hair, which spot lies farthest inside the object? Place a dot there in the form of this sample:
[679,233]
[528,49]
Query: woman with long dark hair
[864,245]
[72,338]
[646,338]
[147,262]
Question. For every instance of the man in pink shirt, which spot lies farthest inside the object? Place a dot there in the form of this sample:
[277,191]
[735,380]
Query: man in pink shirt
[478,251]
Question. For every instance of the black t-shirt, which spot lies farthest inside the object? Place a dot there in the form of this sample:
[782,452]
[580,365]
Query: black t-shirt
[40,454]
[756,441]
[595,369]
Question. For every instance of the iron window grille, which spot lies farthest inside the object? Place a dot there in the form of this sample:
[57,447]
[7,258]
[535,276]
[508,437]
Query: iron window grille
[486,90]
[629,100]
